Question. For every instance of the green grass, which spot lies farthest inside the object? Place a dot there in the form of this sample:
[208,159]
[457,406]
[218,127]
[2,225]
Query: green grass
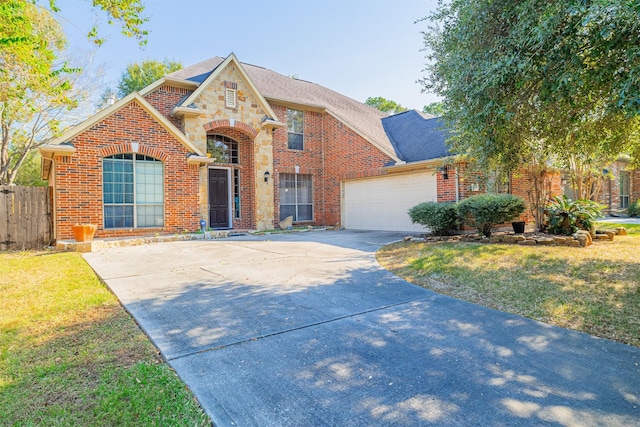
[594,289]
[70,355]
[631,228]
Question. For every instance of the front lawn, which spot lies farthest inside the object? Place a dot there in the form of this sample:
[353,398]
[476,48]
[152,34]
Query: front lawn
[71,355]
[595,289]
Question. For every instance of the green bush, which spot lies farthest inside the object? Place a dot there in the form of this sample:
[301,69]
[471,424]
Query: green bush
[634,208]
[485,211]
[565,216]
[441,218]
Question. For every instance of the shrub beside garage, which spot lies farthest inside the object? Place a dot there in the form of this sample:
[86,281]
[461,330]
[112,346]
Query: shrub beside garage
[482,212]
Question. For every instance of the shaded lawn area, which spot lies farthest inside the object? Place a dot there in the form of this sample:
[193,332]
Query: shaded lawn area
[71,355]
[595,289]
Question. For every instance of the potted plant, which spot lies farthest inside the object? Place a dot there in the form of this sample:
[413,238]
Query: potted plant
[518,227]
[84,232]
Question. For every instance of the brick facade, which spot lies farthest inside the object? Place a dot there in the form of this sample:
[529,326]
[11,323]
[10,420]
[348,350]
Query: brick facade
[165,98]
[78,178]
[346,153]
[332,153]
[463,182]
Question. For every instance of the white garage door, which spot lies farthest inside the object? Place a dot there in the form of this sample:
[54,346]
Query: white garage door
[382,203]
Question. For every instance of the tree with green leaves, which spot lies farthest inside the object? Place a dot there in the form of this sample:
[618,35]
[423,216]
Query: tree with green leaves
[385,105]
[435,109]
[537,79]
[139,75]
[36,86]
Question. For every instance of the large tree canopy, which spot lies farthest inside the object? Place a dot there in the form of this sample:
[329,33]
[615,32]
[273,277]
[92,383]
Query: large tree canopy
[36,87]
[140,75]
[435,109]
[385,105]
[536,78]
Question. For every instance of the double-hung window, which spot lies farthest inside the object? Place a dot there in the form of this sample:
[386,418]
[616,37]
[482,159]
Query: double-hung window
[296,196]
[295,128]
[133,191]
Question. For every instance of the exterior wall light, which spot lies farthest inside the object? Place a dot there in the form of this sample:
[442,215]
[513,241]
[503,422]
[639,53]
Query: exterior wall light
[445,172]
[266,176]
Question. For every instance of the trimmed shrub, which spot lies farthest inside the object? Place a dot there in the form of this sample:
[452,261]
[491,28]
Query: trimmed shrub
[441,218]
[566,217]
[634,208]
[485,211]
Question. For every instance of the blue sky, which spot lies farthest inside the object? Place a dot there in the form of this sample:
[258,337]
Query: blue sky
[360,48]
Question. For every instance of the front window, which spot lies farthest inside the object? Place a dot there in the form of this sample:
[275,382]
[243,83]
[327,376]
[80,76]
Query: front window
[295,127]
[133,191]
[222,148]
[498,182]
[296,197]
[625,187]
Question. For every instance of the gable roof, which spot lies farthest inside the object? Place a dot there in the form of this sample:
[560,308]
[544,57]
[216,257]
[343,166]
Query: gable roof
[216,72]
[363,119]
[133,97]
[415,137]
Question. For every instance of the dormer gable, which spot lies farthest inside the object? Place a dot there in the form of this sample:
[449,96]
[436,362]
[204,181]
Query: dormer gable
[230,90]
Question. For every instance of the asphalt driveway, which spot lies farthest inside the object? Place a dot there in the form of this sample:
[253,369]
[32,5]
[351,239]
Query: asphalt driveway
[306,329]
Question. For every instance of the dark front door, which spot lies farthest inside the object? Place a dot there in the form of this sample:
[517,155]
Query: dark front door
[218,198]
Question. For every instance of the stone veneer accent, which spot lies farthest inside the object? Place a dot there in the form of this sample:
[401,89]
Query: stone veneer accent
[245,119]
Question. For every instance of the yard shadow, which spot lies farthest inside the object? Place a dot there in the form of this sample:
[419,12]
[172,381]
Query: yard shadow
[592,293]
[366,348]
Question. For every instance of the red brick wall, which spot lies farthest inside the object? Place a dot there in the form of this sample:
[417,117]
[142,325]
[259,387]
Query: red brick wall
[468,179]
[347,154]
[520,185]
[79,177]
[165,98]
[309,160]
[332,151]
[447,187]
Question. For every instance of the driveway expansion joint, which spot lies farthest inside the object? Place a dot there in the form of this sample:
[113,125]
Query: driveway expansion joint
[310,325]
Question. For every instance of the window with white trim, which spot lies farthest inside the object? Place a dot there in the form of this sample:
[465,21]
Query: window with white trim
[296,196]
[132,191]
[295,128]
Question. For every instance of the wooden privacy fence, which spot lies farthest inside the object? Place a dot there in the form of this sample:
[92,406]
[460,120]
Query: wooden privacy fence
[25,217]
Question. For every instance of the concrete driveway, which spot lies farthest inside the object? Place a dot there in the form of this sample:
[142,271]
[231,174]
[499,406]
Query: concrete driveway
[307,329]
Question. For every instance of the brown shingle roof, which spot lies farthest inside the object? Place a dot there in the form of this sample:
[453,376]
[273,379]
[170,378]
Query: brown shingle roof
[362,118]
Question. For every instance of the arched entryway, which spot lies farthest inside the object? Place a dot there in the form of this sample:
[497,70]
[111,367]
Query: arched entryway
[230,179]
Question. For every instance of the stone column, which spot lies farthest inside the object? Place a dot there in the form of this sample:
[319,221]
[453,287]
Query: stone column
[263,155]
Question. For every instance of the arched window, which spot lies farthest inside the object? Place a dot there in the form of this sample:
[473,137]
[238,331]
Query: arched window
[133,191]
[222,148]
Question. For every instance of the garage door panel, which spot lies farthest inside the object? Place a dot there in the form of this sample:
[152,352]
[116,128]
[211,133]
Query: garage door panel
[382,203]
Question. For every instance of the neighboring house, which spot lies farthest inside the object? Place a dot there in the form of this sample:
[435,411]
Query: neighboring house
[617,188]
[242,147]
